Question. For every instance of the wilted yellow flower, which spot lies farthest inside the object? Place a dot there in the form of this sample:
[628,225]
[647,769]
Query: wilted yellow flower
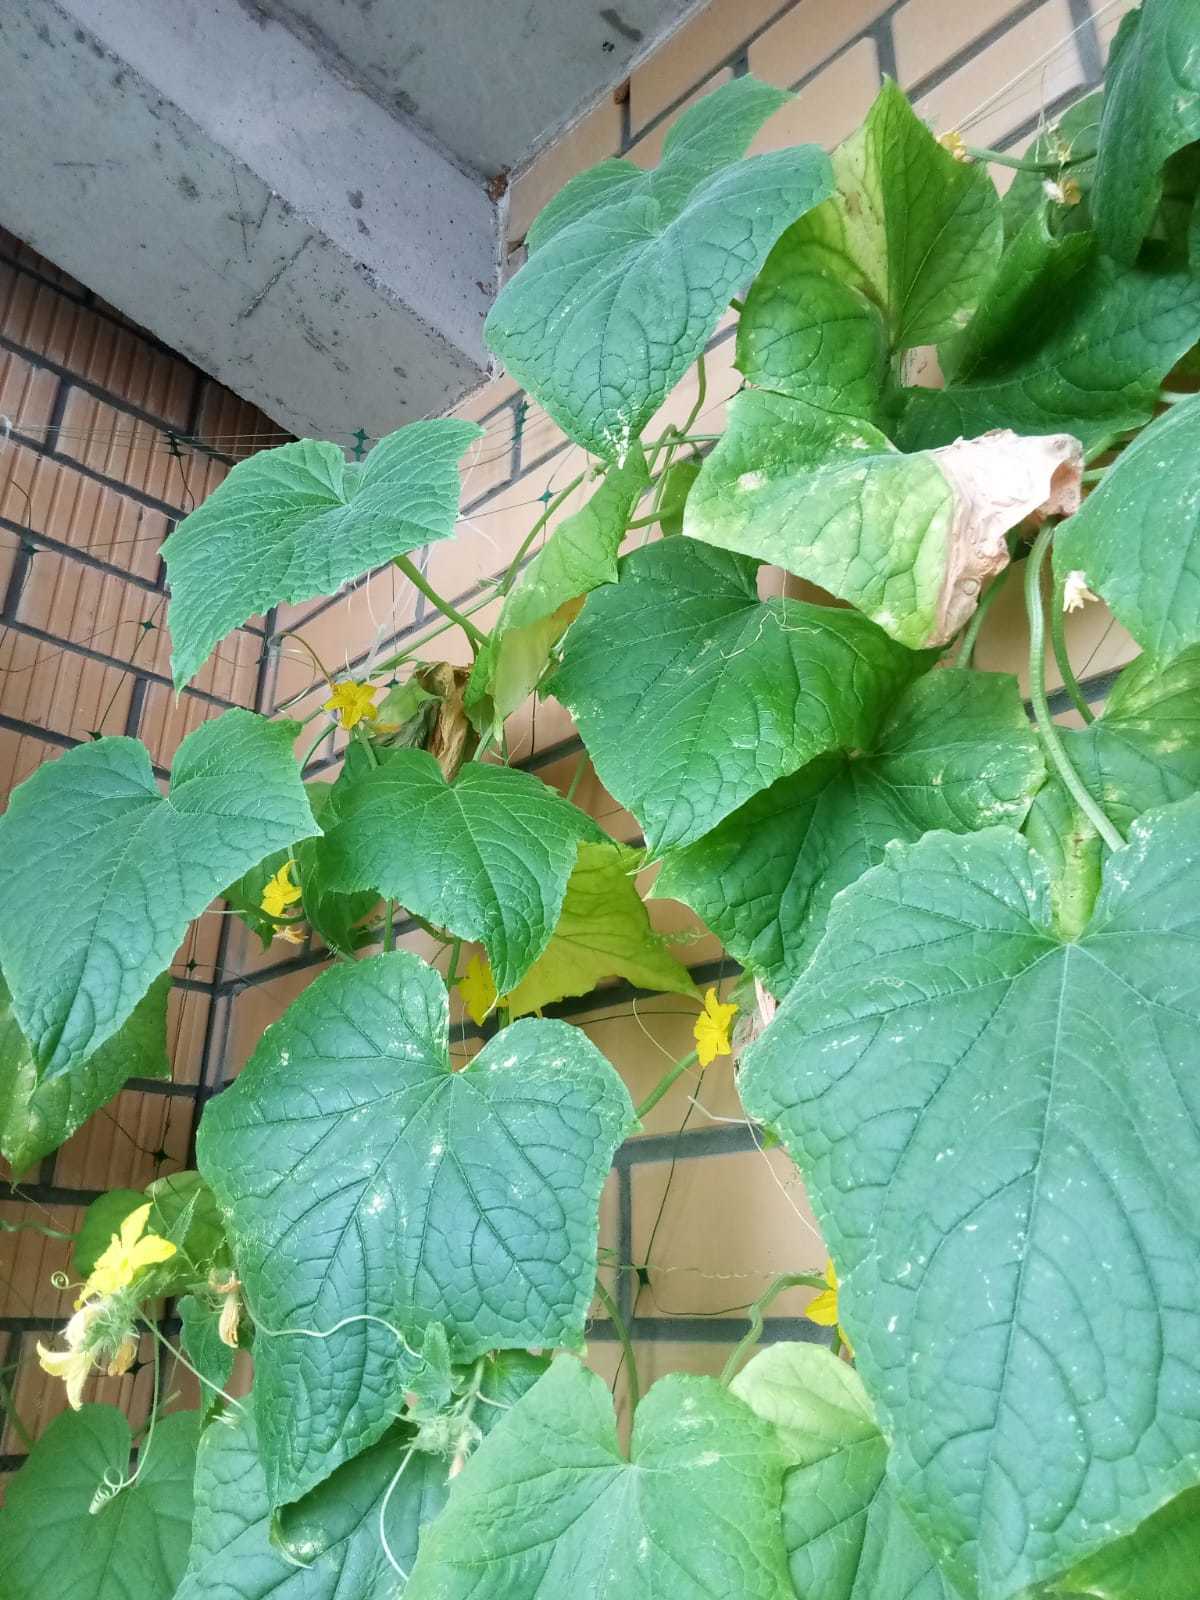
[290,935]
[1076,593]
[352,702]
[1063,191]
[280,892]
[123,1356]
[127,1253]
[477,989]
[953,141]
[74,1363]
[231,1315]
[711,1032]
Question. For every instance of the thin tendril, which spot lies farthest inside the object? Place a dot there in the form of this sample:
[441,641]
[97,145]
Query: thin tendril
[383,1538]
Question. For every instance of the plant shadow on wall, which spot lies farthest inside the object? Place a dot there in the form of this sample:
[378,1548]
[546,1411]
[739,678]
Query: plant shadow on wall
[981,928]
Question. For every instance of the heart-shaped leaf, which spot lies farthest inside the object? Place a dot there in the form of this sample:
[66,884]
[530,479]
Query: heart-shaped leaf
[486,857]
[908,226]
[603,932]
[908,539]
[955,752]
[1151,582]
[692,694]
[971,1100]
[62,1535]
[632,270]
[100,873]
[36,1118]
[298,522]
[1151,110]
[548,1506]
[362,1178]
[1161,1560]
[846,1537]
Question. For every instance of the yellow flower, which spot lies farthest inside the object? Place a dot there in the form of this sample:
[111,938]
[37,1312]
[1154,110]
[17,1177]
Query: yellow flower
[290,935]
[280,893]
[352,702]
[128,1252]
[74,1363]
[711,1032]
[823,1308]
[477,989]
[953,141]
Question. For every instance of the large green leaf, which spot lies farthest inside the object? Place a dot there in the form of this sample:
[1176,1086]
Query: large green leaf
[361,1177]
[603,932]
[807,334]
[847,1538]
[61,1537]
[100,874]
[1143,752]
[486,857]
[298,522]
[908,539]
[36,1118]
[998,1130]
[956,752]
[1137,536]
[631,273]
[327,1547]
[548,1507]
[913,229]
[578,557]
[1089,363]
[1158,1562]
[692,695]
[1151,110]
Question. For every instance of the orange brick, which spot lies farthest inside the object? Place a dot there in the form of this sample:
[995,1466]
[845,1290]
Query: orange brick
[592,139]
[1027,68]
[829,106]
[647,151]
[706,42]
[925,36]
[807,35]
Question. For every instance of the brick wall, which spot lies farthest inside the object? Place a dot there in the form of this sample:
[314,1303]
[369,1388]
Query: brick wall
[704,1215]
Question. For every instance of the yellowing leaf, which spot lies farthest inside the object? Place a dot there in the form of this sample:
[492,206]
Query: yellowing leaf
[477,988]
[603,931]
[711,1032]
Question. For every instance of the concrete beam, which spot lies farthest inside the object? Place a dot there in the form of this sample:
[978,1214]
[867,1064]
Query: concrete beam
[199,166]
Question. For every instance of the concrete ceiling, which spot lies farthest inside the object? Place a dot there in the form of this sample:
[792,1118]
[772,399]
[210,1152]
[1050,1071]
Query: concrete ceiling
[293,193]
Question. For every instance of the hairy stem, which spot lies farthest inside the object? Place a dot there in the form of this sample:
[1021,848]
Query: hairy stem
[1037,693]
[997,158]
[622,1332]
[788,1280]
[419,581]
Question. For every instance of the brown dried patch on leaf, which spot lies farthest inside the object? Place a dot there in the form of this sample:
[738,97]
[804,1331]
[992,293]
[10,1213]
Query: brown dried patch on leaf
[998,480]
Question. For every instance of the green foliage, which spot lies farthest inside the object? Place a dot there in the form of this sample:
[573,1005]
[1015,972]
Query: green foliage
[298,522]
[486,857]
[549,1505]
[983,1063]
[956,751]
[681,649]
[572,328]
[972,1101]
[361,1176]
[59,1537]
[1151,110]
[1152,585]
[37,1116]
[100,874]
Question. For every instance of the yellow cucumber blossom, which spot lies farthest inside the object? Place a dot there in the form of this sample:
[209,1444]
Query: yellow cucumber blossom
[823,1308]
[353,702]
[280,893]
[127,1253]
[711,1032]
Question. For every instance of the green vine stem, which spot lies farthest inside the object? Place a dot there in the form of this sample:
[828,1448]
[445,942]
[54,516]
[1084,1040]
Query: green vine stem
[407,654]
[1058,641]
[419,581]
[997,158]
[622,1332]
[788,1280]
[510,577]
[676,1071]
[1037,693]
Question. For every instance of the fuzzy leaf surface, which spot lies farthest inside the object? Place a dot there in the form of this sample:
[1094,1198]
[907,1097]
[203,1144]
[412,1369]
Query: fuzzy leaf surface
[486,857]
[100,873]
[956,752]
[631,274]
[971,1100]
[298,522]
[360,1175]
[692,694]
[548,1506]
